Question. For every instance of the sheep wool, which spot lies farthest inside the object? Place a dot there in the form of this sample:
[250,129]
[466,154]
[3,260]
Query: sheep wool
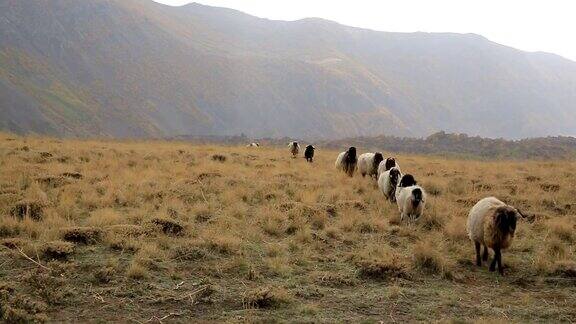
[387,183]
[347,161]
[368,163]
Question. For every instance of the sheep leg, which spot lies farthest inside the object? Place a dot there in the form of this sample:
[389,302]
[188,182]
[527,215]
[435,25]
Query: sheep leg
[485,255]
[478,259]
[493,263]
[498,257]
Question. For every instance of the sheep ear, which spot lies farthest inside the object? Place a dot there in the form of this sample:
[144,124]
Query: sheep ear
[520,213]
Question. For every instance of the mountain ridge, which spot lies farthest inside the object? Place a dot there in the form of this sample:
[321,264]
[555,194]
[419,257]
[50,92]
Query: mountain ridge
[143,69]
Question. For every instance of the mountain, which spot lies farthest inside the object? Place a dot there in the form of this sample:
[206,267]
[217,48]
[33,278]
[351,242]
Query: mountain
[136,68]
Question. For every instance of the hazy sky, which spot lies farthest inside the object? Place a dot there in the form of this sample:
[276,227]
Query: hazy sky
[531,25]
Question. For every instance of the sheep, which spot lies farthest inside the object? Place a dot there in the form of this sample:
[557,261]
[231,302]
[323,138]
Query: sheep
[347,161]
[255,144]
[294,148]
[388,181]
[387,165]
[309,153]
[492,223]
[410,198]
[368,164]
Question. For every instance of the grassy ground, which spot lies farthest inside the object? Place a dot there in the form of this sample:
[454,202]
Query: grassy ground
[152,231]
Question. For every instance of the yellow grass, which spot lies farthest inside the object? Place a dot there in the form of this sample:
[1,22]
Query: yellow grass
[259,236]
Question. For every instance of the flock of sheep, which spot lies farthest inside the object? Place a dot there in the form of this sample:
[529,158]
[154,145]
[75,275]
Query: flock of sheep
[491,223]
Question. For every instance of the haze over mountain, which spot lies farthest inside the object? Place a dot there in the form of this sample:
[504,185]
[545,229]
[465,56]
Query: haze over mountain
[136,68]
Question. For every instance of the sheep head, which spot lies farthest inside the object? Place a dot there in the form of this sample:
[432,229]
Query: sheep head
[506,218]
[378,157]
[390,163]
[394,175]
[407,181]
[351,155]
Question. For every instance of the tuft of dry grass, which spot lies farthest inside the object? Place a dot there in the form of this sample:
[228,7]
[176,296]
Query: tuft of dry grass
[564,268]
[136,271]
[455,229]
[33,209]
[167,226]
[59,250]
[82,235]
[562,228]
[18,308]
[266,297]
[104,217]
[428,258]
[384,266]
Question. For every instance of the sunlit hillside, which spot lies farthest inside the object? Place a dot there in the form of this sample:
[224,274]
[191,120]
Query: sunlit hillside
[172,232]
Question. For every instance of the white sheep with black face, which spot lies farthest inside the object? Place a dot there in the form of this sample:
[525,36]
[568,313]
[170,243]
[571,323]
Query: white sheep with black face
[255,144]
[410,198]
[347,161]
[492,223]
[368,164]
[388,181]
[294,148]
[388,164]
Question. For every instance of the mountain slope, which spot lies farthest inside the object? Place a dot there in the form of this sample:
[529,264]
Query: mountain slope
[138,68]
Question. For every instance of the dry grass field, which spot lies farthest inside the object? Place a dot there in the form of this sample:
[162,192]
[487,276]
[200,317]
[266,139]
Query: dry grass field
[171,232]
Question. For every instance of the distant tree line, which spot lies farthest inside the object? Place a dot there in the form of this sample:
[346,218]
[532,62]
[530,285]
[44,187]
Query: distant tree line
[440,143]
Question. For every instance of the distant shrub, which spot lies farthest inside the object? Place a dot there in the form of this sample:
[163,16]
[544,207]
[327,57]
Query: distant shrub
[219,158]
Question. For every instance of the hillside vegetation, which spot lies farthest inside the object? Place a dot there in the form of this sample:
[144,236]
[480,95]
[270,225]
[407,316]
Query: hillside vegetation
[136,68]
[173,232]
[441,143]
